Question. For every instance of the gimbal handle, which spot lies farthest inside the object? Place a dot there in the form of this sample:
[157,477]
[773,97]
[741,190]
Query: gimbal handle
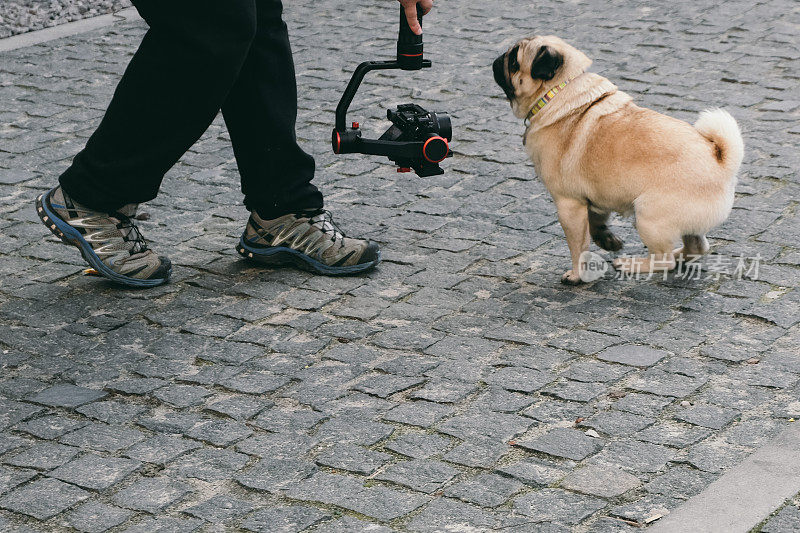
[409,44]
[409,57]
[423,155]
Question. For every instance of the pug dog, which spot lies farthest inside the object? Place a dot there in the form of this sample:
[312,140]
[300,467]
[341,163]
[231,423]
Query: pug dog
[597,152]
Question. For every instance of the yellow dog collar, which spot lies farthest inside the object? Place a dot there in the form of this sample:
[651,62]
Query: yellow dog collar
[541,102]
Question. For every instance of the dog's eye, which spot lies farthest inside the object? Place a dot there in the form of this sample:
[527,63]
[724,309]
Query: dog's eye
[513,62]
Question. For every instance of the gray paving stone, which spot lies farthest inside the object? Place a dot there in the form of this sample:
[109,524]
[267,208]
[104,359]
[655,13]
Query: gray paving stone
[594,371]
[663,383]
[103,437]
[563,442]
[709,416]
[355,431]
[443,513]
[557,505]
[94,472]
[633,355]
[444,391]
[642,404]
[43,456]
[673,435]
[278,445]
[10,442]
[161,449]
[715,457]
[635,455]
[96,517]
[209,464]
[112,411]
[384,385]
[220,433]
[494,426]
[584,342]
[679,482]
[220,509]
[754,432]
[486,490]
[502,401]
[407,366]
[136,386]
[255,382]
[787,520]
[238,407]
[273,474]
[553,411]
[12,412]
[66,395]
[165,524]
[348,524]
[480,453]
[279,420]
[43,498]
[420,475]
[49,427]
[151,495]
[12,477]
[617,423]
[419,445]
[284,519]
[645,509]
[353,459]
[575,391]
[603,481]
[182,395]
[519,379]
[376,502]
[535,472]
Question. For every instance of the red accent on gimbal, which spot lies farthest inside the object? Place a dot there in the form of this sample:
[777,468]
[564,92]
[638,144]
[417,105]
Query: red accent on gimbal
[446,149]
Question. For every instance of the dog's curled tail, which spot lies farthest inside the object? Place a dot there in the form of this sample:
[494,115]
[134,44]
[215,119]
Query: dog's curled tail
[719,127]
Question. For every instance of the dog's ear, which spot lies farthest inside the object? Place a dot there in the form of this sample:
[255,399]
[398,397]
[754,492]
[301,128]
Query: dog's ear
[513,61]
[546,63]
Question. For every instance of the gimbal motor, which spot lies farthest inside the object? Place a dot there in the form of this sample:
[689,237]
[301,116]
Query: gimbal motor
[418,139]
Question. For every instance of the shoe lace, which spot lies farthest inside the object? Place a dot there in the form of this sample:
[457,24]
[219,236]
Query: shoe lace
[130,232]
[323,219]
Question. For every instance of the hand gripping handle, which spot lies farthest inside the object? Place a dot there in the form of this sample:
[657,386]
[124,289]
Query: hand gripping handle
[409,44]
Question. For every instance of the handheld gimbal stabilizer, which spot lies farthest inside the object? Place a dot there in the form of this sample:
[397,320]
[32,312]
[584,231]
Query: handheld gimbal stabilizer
[417,139]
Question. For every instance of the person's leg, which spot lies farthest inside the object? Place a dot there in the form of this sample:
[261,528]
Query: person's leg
[260,112]
[170,93]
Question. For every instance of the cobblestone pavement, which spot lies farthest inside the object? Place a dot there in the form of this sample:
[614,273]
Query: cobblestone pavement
[459,387]
[21,16]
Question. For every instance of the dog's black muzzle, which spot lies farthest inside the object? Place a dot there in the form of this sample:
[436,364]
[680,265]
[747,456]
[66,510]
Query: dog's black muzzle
[499,68]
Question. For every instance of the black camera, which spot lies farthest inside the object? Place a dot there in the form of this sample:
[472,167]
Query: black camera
[418,139]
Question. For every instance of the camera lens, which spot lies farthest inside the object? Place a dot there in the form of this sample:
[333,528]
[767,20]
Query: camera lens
[441,125]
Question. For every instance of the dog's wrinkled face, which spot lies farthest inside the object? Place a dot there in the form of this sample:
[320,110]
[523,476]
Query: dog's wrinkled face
[532,66]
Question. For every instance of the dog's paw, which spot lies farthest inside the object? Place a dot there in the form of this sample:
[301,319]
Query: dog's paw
[607,241]
[570,277]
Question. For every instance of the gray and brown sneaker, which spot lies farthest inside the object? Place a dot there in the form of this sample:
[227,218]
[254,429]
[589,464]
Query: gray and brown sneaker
[308,240]
[109,242]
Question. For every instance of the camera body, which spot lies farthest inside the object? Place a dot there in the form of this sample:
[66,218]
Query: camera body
[411,123]
[418,139]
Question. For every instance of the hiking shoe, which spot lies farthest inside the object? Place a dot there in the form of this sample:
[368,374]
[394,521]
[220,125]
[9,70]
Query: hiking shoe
[109,242]
[308,240]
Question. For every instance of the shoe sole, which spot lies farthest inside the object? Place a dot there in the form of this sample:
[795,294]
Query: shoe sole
[279,256]
[71,236]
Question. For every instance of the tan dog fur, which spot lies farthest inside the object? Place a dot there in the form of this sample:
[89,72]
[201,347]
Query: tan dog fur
[597,152]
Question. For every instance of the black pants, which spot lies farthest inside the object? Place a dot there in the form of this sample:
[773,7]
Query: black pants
[200,56]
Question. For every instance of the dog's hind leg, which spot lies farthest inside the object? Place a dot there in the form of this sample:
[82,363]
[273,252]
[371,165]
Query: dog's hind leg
[601,235]
[693,245]
[659,244]
[574,219]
